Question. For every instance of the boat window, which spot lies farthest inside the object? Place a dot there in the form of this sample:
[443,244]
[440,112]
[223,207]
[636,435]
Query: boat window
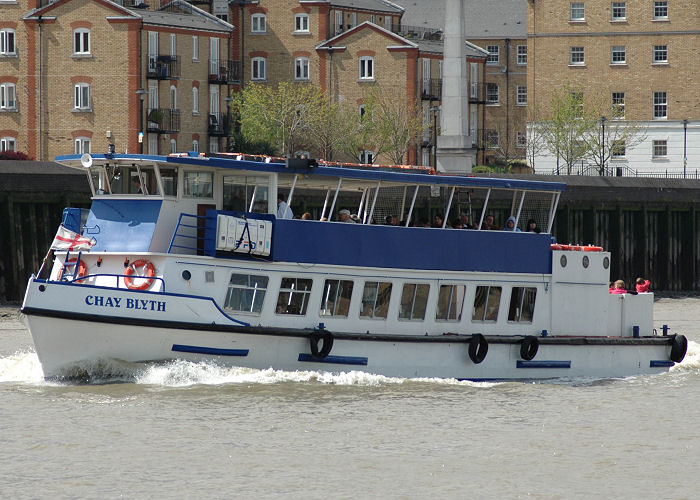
[522,304]
[199,184]
[246,293]
[100,178]
[169,177]
[294,296]
[336,298]
[414,300]
[486,302]
[450,302]
[375,299]
[246,193]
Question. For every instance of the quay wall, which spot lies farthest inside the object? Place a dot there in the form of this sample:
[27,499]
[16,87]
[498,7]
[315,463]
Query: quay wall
[651,226]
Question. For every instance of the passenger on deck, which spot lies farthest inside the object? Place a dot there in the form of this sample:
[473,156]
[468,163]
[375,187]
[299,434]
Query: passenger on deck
[619,287]
[437,221]
[510,225]
[283,210]
[344,216]
[306,216]
[457,223]
[642,285]
[532,226]
[466,224]
[488,223]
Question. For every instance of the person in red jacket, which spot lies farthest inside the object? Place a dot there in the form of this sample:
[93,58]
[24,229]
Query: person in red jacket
[642,285]
[619,287]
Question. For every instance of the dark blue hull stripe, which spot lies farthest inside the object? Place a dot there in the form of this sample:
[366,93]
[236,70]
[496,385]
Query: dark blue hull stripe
[660,363]
[209,350]
[544,364]
[338,360]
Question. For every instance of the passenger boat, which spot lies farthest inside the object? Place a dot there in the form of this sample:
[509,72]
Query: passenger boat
[184,257]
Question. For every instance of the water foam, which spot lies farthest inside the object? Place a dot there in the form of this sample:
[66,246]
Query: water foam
[21,367]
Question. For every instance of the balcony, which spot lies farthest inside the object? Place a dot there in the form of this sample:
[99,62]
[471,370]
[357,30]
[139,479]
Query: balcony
[431,89]
[163,67]
[219,124]
[222,71]
[417,32]
[163,121]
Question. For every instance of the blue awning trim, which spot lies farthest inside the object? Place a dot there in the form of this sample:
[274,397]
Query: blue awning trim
[214,351]
[543,364]
[338,360]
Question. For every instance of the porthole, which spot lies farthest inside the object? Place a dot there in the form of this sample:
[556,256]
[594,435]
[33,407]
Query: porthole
[606,262]
[186,275]
[585,261]
[563,261]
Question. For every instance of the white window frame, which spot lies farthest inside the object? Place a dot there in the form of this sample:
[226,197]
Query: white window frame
[660,11]
[494,56]
[659,49]
[366,68]
[615,151]
[8,42]
[491,138]
[521,95]
[577,11]
[258,23]
[575,53]
[618,108]
[81,96]
[173,97]
[81,42]
[520,140]
[195,145]
[258,69]
[522,55]
[617,51]
[301,69]
[8,96]
[659,143]
[213,144]
[618,11]
[195,100]
[173,45]
[660,105]
[367,156]
[8,144]
[492,91]
[301,23]
[195,48]
[173,145]
[82,145]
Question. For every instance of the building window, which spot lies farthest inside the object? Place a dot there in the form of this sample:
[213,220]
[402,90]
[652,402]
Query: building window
[173,146]
[173,45]
[301,23]
[617,149]
[375,300]
[199,184]
[7,42]
[660,105]
[522,55]
[491,138]
[81,41]
[660,148]
[521,95]
[414,301]
[257,68]
[520,140]
[246,293]
[450,303]
[493,57]
[618,105]
[195,101]
[8,144]
[367,157]
[366,68]
[81,98]
[578,11]
[294,296]
[195,145]
[8,96]
[660,54]
[258,23]
[335,300]
[618,54]
[195,48]
[486,302]
[661,10]
[301,68]
[619,11]
[491,93]
[522,304]
[576,57]
[213,144]
[82,145]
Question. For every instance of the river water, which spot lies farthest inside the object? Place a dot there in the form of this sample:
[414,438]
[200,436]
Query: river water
[184,430]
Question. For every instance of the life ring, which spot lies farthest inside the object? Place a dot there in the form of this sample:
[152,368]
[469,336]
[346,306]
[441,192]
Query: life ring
[556,246]
[592,248]
[678,348]
[478,348]
[70,263]
[149,273]
[528,347]
[314,339]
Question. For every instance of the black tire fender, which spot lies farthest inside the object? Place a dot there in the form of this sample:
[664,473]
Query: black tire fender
[315,338]
[528,347]
[679,347]
[478,348]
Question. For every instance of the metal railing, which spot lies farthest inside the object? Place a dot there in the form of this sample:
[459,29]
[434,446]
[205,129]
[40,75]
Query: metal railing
[431,89]
[163,121]
[218,124]
[163,68]
[618,170]
[196,228]
[417,32]
[224,71]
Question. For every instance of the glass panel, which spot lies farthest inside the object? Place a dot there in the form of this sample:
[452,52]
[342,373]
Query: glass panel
[199,184]
[450,302]
[375,300]
[522,304]
[246,293]
[486,302]
[239,191]
[169,178]
[125,180]
[294,296]
[528,308]
[336,298]
[492,303]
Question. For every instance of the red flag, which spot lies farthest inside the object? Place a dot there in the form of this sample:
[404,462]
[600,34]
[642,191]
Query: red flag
[68,240]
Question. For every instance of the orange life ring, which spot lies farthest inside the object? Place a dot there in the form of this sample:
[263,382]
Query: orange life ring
[577,248]
[565,247]
[148,275]
[592,248]
[82,269]
[556,246]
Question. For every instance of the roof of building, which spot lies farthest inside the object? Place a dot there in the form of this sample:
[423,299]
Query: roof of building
[373,5]
[437,47]
[485,19]
[400,41]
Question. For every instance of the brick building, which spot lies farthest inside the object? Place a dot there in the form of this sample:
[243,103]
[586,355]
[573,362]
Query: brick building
[81,75]
[641,57]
